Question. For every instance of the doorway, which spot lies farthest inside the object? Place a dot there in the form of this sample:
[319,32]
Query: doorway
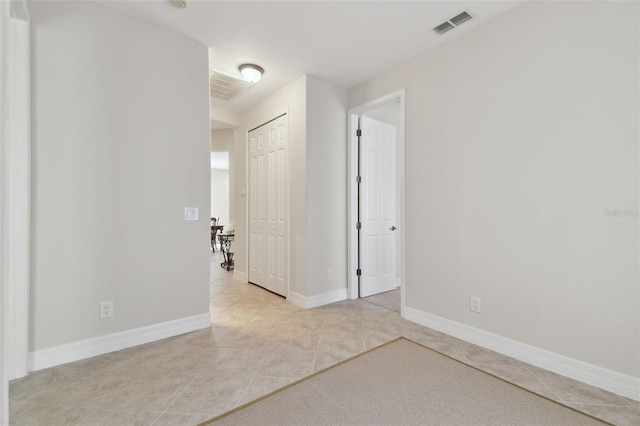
[222,179]
[376,238]
[268,205]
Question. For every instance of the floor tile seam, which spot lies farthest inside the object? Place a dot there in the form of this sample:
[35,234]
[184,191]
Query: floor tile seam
[156,419]
[63,408]
[47,402]
[66,406]
[549,385]
[362,339]
[315,358]
[552,395]
[29,407]
[632,403]
[574,402]
[217,314]
[592,404]
[461,356]
[168,411]
[175,397]
[486,366]
[271,351]
[178,394]
[519,366]
[21,401]
[209,414]
[245,391]
[272,376]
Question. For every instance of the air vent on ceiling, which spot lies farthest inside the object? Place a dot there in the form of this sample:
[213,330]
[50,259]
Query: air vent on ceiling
[224,86]
[443,28]
[459,19]
[452,23]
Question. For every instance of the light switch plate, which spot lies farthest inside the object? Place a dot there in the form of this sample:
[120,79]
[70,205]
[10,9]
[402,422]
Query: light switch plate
[190,213]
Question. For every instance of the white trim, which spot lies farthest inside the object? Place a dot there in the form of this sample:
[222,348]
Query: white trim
[240,276]
[619,383]
[317,300]
[82,349]
[4,369]
[17,193]
[352,207]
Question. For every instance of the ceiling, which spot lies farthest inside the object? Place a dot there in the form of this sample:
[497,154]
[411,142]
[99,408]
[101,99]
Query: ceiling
[342,42]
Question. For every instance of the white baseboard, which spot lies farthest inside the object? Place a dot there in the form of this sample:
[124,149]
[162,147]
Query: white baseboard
[240,276]
[317,300]
[621,384]
[82,349]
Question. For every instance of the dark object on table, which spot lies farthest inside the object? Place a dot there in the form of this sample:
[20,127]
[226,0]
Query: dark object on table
[225,246]
[215,228]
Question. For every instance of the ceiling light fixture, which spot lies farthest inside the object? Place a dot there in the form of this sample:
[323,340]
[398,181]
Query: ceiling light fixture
[251,72]
[180,4]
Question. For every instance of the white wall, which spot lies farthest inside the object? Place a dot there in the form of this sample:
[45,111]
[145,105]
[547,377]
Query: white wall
[4,376]
[115,161]
[220,196]
[290,99]
[222,140]
[223,181]
[317,159]
[520,135]
[326,187]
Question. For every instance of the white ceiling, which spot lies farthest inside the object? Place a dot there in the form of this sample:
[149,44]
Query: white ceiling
[341,42]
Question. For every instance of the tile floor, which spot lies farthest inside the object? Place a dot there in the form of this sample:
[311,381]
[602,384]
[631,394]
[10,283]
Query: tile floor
[389,300]
[258,342]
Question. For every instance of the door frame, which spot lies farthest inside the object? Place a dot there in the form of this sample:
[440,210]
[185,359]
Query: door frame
[352,193]
[16,193]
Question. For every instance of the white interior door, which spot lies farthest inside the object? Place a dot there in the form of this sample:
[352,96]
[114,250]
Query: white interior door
[377,207]
[268,206]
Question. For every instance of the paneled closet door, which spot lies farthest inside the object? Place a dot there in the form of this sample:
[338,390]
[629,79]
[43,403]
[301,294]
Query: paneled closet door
[268,206]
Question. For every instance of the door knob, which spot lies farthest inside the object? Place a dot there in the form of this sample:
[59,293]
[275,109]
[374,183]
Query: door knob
[393,228]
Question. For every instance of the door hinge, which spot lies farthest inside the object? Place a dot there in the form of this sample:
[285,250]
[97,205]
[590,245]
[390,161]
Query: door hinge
[358,272]
[358,225]
[358,179]
[358,132]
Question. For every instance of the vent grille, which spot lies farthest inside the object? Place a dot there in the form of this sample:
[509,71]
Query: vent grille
[443,28]
[459,19]
[452,23]
[224,86]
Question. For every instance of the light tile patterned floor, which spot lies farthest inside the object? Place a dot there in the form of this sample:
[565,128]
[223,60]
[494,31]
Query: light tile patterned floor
[258,343]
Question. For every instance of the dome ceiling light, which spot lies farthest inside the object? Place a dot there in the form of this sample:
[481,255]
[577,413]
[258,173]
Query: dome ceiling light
[180,4]
[251,72]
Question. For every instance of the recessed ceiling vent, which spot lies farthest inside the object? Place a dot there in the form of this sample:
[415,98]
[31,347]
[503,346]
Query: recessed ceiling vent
[443,28]
[452,23]
[224,86]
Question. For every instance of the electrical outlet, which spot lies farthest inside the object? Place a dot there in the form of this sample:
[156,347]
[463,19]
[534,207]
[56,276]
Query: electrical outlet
[330,274]
[474,304]
[106,309]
